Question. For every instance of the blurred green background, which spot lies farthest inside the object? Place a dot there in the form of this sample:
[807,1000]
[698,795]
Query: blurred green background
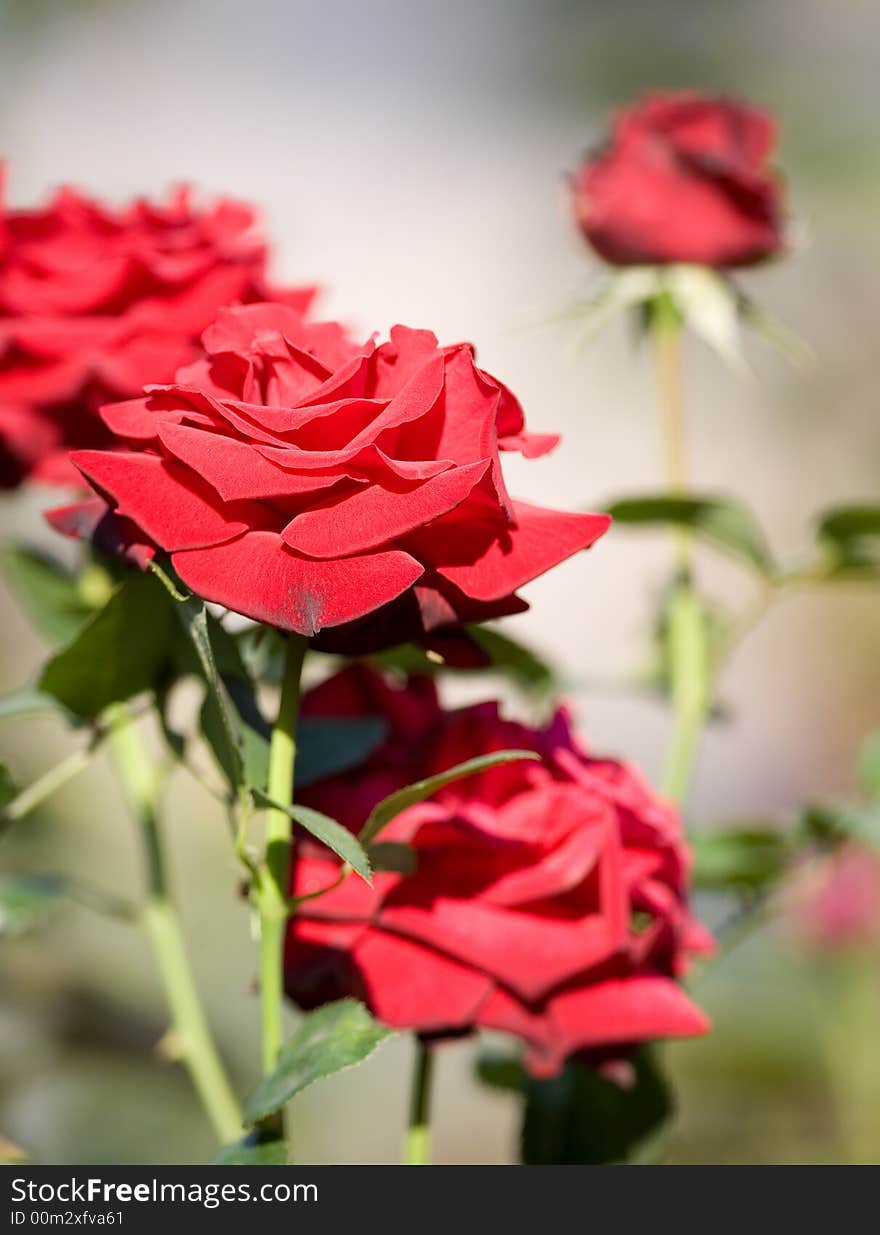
[411,158]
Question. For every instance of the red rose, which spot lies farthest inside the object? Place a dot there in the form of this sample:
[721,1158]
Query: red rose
[95,302]
[548,899]
[684,178]
[834,901]
[308,483]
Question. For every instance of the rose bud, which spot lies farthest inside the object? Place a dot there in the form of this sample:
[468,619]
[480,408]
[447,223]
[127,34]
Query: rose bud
[683,177]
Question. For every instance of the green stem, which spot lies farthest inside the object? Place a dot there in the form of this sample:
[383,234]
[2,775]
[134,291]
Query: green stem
[417,1142]
[160,921]
[272,891]
[688,656]
[688,664]
[47,784]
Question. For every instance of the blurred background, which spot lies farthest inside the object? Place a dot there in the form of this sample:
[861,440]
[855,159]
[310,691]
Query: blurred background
[411,159]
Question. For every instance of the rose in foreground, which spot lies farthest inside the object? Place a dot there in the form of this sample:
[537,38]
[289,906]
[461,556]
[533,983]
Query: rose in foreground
[684,177]
[95,301]
[309,483]
[547,900]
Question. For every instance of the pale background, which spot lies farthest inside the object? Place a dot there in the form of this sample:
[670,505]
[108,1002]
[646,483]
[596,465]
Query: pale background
[411,157]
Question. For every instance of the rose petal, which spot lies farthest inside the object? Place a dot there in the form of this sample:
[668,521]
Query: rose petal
[541,539]
[173,505]
[380,513]
[437,993]
[235,469]
[633,1009]
[258,576]
[530,953]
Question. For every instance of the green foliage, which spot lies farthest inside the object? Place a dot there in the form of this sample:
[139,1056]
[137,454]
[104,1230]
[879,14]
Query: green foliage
[327,745]
[704,300]
[117,654]
[851,538]
[393,856]
[390,807]
[580,1117]
[335,1037]
[520,665]
[328,831]
[501,1070]
[252,1151]
[7,786]
[29,702]
[721,521]
[48,592]
[27,902]
[511,660]
[834,823]
[219,719]
[869,765]
[740,857]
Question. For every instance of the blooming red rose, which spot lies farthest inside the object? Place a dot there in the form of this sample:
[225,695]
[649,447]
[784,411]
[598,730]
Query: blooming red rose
[94,302]
[683,178]
[309,483]
[548,899]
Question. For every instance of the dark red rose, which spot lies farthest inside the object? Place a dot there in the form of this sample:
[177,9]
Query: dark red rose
[548,899]
[315,485]
[683,178]
[94,302]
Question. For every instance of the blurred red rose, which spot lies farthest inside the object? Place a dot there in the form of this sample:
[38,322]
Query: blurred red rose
[548,899]
[834,901]
[309,483]
[94,302]
[683,178]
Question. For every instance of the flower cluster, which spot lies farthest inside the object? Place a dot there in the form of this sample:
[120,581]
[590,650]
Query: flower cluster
[546,899]
[350,494]
[95,302]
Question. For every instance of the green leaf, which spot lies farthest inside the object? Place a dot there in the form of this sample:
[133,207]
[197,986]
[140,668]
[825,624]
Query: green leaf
[389,807]
[721,521]
[869,765]
[393,856]
[739,857]
[852,536]
[28,702]
[252,729]
[27,901]
[326,745]
[250,1151]
[117,654]
[220,718]
[513,660]
[844,822]
[790,345]
[328,831]
[617,292]
[580,1117]
[48,592]
[501,1070]
[7,786]
[709,304]
[335,1037]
